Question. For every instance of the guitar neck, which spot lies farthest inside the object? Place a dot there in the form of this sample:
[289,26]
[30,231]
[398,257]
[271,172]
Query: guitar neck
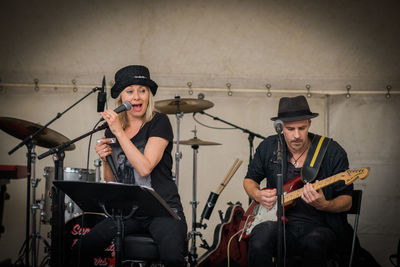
[321,184]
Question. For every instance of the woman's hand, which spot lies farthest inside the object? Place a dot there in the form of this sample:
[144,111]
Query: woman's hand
[113,122]
[103,149]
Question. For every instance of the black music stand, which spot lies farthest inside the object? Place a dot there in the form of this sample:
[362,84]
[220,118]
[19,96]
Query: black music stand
[122,199]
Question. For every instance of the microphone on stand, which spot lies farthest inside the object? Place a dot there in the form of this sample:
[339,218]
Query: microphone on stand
[124,107]
[278,125]
[102,96]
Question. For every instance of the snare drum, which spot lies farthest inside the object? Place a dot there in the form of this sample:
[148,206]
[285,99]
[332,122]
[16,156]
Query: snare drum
[70,174]
[81,225]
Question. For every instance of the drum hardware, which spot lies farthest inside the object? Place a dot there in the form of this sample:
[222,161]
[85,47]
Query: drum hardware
[80,225]
[70,174]
[23,130]
[35,235]
[57,223]
[179,106]
[199,142]
[195,143]
[32,135]
[97,165]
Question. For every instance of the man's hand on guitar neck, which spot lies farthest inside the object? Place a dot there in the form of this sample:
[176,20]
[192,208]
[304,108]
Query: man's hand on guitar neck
[316,198]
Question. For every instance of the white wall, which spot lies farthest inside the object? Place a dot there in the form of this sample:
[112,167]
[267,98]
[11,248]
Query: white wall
[248,43]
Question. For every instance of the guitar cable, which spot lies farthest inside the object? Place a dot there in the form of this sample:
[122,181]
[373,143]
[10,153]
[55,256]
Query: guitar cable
[229,243]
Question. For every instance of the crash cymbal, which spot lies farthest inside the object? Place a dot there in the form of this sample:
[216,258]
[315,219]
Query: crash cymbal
[22,129]
[197,141]
[185,105]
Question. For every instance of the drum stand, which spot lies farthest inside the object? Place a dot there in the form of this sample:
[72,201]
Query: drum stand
[31,243]
[178,155]
[35,236]
[192,235]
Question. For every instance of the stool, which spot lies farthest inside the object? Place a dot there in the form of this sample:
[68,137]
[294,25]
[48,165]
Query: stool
[140,248]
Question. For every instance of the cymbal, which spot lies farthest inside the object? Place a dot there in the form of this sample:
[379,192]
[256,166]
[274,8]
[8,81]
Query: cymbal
[197,141]
[185,105]
[22,129]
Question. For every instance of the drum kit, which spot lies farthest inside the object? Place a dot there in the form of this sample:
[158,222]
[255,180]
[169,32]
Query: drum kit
[178,106]
[49,138]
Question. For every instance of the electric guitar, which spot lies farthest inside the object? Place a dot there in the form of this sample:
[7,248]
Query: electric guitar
[217,254]
[292,190]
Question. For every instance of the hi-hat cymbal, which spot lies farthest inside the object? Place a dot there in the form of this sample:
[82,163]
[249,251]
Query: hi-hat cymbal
[22,129]
[197,141]
[185,105]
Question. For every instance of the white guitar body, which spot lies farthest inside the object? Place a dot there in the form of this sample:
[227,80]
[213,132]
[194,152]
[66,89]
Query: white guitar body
[261,214]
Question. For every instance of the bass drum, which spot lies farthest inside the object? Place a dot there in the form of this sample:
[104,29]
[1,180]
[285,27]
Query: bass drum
[70,174]
[77,227]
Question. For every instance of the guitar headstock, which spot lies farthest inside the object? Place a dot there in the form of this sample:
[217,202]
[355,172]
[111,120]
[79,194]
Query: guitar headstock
[353,174]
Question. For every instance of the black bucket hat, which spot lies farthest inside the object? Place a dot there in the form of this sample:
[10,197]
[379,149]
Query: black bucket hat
[294,109]
[133,74]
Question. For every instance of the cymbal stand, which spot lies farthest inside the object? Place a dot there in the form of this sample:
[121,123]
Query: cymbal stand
[35,235]
[192,235]
[34,207]
[178,155]
[30,144]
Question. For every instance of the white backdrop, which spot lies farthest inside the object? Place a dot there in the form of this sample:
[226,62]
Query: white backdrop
[328,45]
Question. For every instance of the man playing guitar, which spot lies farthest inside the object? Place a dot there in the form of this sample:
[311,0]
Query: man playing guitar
[316,222]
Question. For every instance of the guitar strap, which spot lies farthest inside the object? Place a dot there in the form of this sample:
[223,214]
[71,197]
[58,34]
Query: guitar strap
[314,158]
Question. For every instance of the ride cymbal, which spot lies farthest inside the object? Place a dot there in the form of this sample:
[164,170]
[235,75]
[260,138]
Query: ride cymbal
[197,141]
[184,105]
[21,129]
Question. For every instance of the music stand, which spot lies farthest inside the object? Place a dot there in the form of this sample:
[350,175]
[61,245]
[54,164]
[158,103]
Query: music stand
[122,198]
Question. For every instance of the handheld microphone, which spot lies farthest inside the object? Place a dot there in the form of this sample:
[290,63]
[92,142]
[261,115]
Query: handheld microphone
[125,106]
[102,96]
[278,125]
[111,163]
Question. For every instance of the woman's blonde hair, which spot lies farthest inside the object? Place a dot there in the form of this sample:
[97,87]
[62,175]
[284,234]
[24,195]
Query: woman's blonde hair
[148,116]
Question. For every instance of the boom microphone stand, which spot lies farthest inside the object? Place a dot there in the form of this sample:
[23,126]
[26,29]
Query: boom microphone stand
[29,142]
[250,133]
[57,248]
[278,125]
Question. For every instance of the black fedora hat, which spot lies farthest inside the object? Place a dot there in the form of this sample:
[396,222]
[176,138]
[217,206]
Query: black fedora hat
[133,74]
[294,109]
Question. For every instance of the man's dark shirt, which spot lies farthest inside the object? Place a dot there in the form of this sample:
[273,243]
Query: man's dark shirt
[264,165]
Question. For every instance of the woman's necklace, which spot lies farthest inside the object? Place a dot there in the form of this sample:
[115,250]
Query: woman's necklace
[296,163]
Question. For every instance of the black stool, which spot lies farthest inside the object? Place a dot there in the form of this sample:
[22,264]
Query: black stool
[140,248]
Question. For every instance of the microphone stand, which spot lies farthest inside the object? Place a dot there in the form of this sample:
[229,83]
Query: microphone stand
[64,145]
[279,194]
[29,138]
[30,144]
[250,133]
[57,246]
